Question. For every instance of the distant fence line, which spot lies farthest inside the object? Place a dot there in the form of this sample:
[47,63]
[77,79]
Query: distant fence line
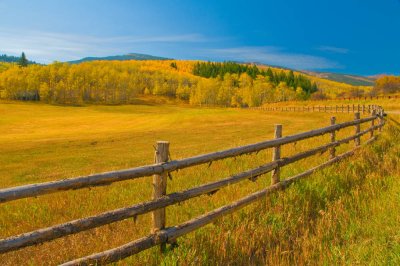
[161,235]
[354,98]
[359,98]
[382,97]
[349,108]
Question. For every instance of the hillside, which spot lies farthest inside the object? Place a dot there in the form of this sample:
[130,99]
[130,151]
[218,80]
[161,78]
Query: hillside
[354,80]
[121,82]
[326,86]
[131,56]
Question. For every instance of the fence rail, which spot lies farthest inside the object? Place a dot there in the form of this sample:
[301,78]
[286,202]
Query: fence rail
[161,235]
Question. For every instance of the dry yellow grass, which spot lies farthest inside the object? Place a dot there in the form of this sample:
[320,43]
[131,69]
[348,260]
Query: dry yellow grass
[43,142]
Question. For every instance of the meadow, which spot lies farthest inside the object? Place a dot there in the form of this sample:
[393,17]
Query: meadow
[341,215]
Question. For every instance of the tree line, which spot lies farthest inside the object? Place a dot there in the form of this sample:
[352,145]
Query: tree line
[387,85]
[121,82]
[215,69]
[22,61]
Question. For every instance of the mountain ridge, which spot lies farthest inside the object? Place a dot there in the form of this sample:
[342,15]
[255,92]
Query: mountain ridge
[130,56]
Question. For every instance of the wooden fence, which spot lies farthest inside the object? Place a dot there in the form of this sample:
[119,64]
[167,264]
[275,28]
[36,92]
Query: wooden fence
[360,98]
[160,171]
[377,97]
[349,108]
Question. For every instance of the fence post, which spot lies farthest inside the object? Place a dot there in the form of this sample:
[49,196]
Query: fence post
[160,187]
[348,108]
[380,119]
[372,124]
[276,155]
[357,129]
[333,139]
[363,108]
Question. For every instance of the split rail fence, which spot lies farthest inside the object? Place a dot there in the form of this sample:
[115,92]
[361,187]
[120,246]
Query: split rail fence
[353,108]
[382,97]
[161,235]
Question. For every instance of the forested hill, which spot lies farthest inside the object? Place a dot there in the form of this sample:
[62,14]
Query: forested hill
[12,59]
[194,82]
[131,56]
[298,81]
[121,82]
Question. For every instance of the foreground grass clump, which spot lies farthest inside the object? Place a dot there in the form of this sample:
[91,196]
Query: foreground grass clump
[43,142]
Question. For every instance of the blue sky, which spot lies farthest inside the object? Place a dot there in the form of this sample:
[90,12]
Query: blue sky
[353,36]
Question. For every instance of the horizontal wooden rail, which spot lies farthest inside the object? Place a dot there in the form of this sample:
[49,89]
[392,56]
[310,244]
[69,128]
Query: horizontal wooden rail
[172,233]
[79,225]
[34,190]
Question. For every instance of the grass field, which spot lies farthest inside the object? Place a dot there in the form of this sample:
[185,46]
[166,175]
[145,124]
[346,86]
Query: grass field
[342,215]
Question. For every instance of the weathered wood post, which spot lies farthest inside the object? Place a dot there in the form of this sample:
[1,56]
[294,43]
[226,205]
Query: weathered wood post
[357,129]
[348,108]
[363,108]
[380,112]
[333,139]
[160,187]
[276,155]
[372,124]
[353,107]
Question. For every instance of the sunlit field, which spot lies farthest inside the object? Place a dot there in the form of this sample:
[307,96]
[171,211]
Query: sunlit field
[342,215]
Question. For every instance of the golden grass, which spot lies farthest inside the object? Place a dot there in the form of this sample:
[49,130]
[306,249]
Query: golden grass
[42,142]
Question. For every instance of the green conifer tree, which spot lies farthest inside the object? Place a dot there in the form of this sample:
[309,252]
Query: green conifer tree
[23,62]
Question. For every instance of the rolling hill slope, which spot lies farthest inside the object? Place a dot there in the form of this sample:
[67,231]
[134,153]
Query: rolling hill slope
[131,56]
[354,80]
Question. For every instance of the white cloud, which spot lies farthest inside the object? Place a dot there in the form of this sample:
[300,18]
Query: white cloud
[273,56]
[333,49]
[49,46]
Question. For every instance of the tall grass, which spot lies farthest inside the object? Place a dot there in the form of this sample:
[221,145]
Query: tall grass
[335,216]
